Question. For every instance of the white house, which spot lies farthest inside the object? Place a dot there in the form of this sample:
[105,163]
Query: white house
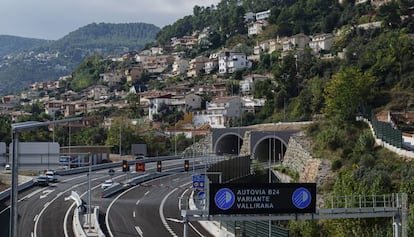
[229,62]
[321,42]
[222,110]
[247,84]
[179,67]
[173,102]
[255,28]
[262,15]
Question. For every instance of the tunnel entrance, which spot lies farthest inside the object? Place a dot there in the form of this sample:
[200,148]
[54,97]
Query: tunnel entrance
[229,145]
[269,149]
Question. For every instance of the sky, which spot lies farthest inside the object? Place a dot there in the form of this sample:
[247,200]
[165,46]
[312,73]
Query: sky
[53,19]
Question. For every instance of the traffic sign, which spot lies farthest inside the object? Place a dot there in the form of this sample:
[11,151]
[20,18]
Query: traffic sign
[198,181]
[111,172]
[262,198]
[140,167]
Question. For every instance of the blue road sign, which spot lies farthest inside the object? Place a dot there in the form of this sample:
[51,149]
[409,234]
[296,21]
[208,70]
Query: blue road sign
[262,198]
[198,181]
[202,195]
[301,198]
[224,199]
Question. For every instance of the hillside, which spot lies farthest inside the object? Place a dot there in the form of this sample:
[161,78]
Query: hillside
[14,44]
[36,60]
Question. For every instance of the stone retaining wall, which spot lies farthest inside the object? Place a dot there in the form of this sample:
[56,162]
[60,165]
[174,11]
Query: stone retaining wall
[298,157]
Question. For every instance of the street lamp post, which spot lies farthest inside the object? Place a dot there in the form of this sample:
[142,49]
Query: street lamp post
[16,128]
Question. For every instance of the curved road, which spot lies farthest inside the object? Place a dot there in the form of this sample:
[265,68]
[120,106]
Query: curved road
[152,209]
[43,210]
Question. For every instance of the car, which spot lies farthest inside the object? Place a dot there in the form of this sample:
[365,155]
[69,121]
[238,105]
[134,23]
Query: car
[139,157]
[42,180]
[51,176]
[7,167]
[108,183]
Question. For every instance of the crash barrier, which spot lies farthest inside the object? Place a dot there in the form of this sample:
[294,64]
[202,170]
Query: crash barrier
[140,179]
[77,226]
[384,143]
[84,223]
[84,169]
[6,193]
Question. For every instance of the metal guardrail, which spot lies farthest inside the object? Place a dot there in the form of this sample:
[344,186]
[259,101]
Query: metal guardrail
[6,193]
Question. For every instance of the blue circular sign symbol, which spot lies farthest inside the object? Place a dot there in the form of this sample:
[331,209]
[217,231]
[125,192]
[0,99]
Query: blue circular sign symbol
[301,198]
[224,199]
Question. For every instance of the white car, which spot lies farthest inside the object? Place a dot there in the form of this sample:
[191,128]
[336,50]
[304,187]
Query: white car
[108,183]
[51,176]
[7,167]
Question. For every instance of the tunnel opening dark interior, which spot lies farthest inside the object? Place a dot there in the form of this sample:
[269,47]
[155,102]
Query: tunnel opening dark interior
[270,149]
[229,145]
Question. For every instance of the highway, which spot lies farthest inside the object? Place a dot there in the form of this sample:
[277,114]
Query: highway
[152,209]
[43,211]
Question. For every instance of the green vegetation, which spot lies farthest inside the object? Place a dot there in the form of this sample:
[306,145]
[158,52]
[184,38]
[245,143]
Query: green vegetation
[48,60]
[12,44]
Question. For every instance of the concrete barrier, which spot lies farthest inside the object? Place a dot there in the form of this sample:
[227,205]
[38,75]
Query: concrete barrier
[27,183]
[77,226]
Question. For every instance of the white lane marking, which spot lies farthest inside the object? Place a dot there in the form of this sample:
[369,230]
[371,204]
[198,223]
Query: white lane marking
[133,214]
[146,193]
[109,209]
[181,197]
[35,218]
[195,230]
[46,192]
[65,229]
[139,231]
[161,212]
[137,202]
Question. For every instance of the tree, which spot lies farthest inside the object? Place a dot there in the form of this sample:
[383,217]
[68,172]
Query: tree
[347,92]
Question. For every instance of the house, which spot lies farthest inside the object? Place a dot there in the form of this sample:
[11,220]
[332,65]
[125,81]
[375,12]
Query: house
[133,74]
[268,46]
[212,64]
[222,110]
[179,67]
[321,42]
[156,104]
[157,64]
[230,62]
[192,102]
[247,84]
[98,92]
[255,28]
[185,42]
[78,107]
[295,43]
[249,17]
[10,99]
[157,51]
[196,66]
[135,89]
[262,15]
[111,78]
[53,106]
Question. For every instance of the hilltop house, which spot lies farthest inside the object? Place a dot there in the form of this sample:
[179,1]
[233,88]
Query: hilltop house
[230,62]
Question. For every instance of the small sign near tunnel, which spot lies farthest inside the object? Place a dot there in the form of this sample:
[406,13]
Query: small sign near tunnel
[262,198]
